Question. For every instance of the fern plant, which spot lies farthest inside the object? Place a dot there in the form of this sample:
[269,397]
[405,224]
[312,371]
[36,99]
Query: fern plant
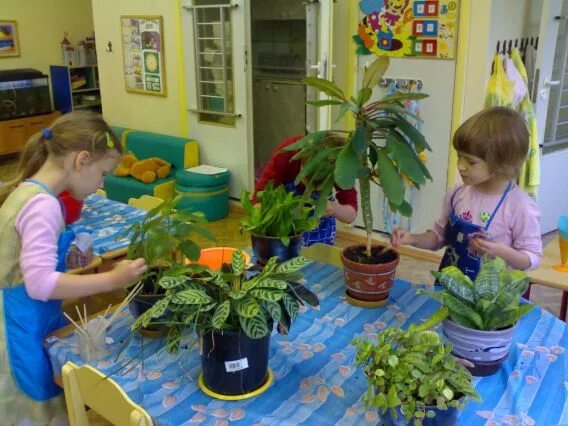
[491,302]
[232,299]
[279,213]
[164,237]
[414,371]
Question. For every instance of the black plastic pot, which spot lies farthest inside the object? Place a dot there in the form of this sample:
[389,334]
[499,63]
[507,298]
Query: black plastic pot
[447,417]
[233,363]
[144,300]
[266,247]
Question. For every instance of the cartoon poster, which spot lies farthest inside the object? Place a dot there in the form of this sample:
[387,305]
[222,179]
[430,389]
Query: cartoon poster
[142,44]
[408,28]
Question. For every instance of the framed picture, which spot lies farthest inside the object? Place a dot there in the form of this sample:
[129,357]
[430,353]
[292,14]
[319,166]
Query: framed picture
[9,45]
[143,53]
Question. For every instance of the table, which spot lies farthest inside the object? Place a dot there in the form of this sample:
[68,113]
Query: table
[107,220]
[545,275]
[315,382]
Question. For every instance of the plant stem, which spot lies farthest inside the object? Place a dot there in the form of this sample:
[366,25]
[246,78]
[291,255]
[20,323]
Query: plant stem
[365,187]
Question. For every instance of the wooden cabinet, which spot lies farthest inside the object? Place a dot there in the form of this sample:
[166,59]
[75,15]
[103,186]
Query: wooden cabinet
[15,133]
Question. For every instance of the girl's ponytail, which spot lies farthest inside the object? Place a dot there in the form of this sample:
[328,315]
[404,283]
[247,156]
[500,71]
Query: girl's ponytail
[32,158]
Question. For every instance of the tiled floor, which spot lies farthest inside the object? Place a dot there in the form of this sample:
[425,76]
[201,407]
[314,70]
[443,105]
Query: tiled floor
[414,270]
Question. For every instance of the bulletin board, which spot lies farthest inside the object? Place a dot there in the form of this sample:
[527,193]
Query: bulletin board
[408,28]
[143,52]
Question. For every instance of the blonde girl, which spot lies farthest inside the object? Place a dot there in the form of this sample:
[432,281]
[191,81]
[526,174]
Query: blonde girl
[73,154]
[487,213]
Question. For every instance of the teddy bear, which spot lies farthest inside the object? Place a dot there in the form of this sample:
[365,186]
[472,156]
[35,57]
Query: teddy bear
[147,170]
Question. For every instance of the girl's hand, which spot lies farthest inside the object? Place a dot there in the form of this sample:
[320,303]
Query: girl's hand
[128,271]
[331,208]
[402,236]
[483,246]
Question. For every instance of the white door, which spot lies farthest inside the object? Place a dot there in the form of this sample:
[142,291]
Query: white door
[319,62]
[216,44]
[550,91]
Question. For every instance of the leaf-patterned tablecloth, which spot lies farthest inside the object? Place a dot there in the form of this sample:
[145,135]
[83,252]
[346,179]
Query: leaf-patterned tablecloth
[107,220]
[315,383]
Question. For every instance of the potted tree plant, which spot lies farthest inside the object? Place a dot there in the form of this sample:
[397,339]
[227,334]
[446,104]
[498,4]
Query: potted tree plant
[276,223]
[412,378]
[163,239]
[385,149]
[479,318]
[232,313]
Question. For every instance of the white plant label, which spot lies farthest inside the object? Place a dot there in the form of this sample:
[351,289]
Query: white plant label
[237,365]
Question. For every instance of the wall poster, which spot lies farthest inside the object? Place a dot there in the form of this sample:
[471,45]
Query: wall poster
[143,52]
[408,28]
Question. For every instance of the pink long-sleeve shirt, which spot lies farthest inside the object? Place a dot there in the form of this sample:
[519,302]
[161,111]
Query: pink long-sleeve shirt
[39,224]
[515,224]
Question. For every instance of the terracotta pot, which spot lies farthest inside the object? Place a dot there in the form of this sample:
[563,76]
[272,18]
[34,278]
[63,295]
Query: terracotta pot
[486,350]
[215,257]
[368,285]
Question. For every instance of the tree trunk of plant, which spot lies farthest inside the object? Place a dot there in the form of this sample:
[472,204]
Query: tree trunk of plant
[365,187]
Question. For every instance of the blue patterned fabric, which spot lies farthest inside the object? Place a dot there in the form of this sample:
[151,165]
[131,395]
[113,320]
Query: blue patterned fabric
[315,382]
[107,220]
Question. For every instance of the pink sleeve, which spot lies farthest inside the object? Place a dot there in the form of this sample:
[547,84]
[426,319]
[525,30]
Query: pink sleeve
[440,224]
[39,223]
[526,231]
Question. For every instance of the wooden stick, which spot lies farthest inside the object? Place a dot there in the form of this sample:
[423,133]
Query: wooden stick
[128,298]
[102,325]
[384,250]
[77,326]
[81,320]
[86,319]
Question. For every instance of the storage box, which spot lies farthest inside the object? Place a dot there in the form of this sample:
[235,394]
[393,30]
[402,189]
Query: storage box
[206,189]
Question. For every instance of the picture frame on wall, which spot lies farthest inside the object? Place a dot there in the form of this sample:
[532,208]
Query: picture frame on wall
[9,44]
[143,54]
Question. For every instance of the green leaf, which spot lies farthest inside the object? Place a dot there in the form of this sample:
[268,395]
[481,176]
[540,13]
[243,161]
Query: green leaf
[325,102]
[359,141]
[326,87]
[247,307]
[375,71]
[390,179]
[221,314]
[190,249]
[364,95]
[347,167]
[255,327]
[191,297]
[291,306]
[392,397]
[406,159]
[266,294]
[174,338]
[412,133]
[172,282]
[273,309]
[272,283]
[238,262]
[292,265]
[237,294]
[457,283]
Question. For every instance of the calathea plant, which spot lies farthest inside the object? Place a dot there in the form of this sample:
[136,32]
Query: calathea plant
[384,148]
[232,299]
[412,373]
[279,213]
[491,302]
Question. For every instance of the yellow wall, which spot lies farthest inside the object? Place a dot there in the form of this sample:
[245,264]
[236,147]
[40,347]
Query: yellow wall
[41,25]
[145,112]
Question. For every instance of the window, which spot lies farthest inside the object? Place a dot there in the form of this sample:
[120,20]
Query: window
[213,61]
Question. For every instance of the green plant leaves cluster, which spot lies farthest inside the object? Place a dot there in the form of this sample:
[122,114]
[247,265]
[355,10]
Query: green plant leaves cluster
[163,238]
[280,213]
[232,299]
[412,370]
[491,302]
[384,148]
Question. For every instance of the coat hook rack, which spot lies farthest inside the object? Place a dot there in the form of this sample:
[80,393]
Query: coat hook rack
[109,48]
[401,83]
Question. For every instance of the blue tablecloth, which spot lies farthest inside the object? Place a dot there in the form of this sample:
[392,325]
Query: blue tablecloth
[315,382]
[107,220]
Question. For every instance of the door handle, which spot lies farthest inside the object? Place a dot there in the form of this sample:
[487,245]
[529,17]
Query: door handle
[548,82]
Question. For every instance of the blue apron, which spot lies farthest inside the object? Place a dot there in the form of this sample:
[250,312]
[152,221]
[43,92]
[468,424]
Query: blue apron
[326,230]
[457,234]
[28,321]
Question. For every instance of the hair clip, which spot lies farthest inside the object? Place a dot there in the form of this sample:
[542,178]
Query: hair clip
[109,142]
[46,133]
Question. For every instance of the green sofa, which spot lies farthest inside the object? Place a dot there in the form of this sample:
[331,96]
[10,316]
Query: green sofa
[181,153]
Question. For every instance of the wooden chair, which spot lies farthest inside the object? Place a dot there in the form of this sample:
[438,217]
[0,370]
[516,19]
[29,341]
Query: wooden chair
[86,386]
[145,202]
[323,253]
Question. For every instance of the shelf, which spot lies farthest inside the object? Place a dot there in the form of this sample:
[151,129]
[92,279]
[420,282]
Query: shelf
[81,66]
[95,104]
[84,90]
